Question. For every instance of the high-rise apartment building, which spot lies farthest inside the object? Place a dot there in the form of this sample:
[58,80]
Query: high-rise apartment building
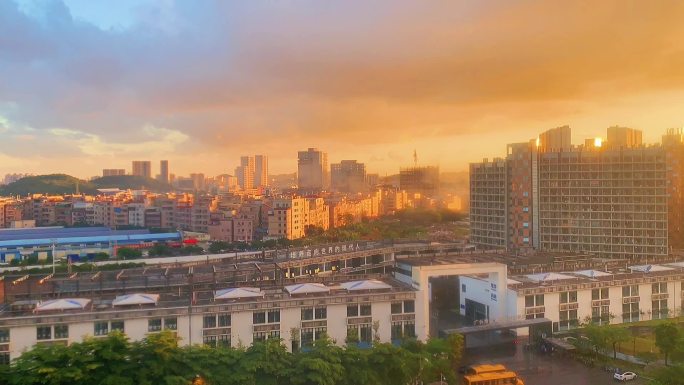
[673,143]
[488,203]
[312,170]
[260,171]
[348,176]
[609,201]
[113,171]
[245,172]
[164,171]
[623,137]
[422,180]
[142,168]
[198,181]
[555,139]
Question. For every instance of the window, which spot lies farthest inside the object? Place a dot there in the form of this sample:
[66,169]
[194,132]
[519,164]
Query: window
[117,326]
[630,291]
[224,340]
[397,331]
[568,319]
[4,358]
[630,312]
[209,321]
[307,337]
[366,333]
[61,331]
[568,297]
[273,316]
[209,341]
[171,323]
[597,294]
[259,336]
[600,314]
[659,309]
[365,310]
[4,335]
[463,288]
[534,300]
[259,318]
[352,310]
[307,314]
[224,320]
[321,313]
[154,324]
[396,307]
[352,333]
[44,332]
[659,288]
[410,329]
[101,328]
[409,306]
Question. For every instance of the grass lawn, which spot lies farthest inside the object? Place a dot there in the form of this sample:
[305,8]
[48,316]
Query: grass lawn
[641,344]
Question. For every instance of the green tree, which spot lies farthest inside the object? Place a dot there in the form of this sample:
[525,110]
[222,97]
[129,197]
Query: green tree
[267,363]
[219,247]
[158,360]
[322,365]
[160,249]
[100,257]
[128,253]
[669,375]
[615,336]
[667,338]
[598,337]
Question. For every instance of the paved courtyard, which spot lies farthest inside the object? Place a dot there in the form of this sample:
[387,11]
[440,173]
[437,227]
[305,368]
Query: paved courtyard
[537,369]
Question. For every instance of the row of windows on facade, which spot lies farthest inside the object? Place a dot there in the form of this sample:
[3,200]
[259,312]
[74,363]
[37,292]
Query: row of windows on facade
[49,332]
[359,333]
[601,314]
[101,328]
[596,294]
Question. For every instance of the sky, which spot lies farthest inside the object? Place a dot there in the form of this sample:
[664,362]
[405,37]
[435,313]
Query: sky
[87,85]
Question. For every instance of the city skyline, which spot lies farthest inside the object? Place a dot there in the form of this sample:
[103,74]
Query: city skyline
[94,84]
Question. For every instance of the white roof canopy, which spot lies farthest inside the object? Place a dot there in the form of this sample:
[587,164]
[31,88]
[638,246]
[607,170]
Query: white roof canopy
[306,288]
[370,284]
[135,299]
[649,268]
[547,277]
[63,304]
[592,273]
[238,292]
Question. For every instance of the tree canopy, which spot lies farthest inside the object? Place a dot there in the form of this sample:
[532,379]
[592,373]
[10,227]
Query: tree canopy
[158,359]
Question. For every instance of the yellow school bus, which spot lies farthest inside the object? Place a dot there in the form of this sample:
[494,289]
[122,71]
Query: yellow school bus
[491,375]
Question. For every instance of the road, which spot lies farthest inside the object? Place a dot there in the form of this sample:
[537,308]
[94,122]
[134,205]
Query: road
[537,369]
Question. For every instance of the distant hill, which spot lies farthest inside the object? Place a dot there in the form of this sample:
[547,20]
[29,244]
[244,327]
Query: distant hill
[66,184]
[47,184]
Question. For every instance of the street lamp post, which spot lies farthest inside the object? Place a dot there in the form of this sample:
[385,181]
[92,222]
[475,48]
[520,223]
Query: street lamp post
[53,256]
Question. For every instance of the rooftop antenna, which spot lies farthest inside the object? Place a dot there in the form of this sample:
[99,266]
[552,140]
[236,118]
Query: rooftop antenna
[415,157]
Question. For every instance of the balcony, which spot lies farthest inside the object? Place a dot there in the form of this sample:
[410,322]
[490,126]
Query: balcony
[569,306]
[660,296]
[600,302]
[535,310]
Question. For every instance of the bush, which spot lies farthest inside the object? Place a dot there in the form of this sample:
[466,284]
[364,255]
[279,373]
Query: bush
[128,253]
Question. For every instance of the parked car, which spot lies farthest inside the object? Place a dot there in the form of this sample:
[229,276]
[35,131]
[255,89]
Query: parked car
[626,376]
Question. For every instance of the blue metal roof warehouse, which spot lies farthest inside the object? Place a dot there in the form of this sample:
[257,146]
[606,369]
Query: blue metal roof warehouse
[61,236]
